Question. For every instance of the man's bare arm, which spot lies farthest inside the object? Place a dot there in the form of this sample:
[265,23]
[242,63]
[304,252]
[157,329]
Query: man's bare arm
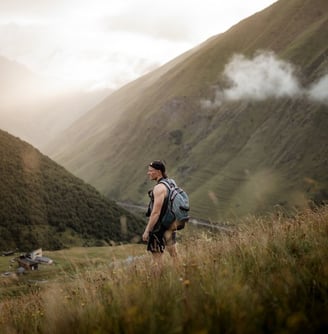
[159,193]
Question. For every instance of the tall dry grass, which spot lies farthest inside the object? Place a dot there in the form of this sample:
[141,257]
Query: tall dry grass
[268,276]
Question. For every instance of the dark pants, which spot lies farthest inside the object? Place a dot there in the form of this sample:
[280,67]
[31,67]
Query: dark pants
[159,238]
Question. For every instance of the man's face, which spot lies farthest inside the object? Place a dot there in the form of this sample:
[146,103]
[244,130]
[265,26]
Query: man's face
[153,173]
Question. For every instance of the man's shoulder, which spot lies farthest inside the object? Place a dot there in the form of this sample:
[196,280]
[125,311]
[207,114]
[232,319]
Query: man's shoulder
[159,187]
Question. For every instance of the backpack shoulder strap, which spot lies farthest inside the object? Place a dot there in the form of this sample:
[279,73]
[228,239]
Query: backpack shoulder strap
[169,183]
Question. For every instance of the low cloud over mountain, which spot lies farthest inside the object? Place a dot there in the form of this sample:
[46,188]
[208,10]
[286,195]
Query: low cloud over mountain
[264,76]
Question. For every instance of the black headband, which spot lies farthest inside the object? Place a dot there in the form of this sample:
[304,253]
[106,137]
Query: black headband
[159,165]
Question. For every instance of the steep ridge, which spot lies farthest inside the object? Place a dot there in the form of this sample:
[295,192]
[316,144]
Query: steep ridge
[234,158]
[43,205]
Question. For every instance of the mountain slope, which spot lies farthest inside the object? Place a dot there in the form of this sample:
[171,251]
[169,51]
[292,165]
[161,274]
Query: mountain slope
[43,205]
[236,157]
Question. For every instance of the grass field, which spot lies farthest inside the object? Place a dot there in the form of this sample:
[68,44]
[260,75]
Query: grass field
[66,263]
[267,276]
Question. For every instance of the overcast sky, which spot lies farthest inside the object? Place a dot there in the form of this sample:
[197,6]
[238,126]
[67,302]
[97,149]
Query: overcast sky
[107,43]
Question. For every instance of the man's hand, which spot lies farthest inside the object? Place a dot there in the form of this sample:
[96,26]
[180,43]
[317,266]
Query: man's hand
[145,236]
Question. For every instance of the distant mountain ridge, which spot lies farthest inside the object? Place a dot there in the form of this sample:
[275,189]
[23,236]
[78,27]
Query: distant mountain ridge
[43,205]
[37,108]
[234,157]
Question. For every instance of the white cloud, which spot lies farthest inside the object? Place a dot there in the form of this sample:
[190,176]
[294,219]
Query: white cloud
[259,78]
[153,26]
[319,90]
[216,102]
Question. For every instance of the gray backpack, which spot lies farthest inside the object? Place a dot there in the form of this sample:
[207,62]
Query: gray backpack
[176,205]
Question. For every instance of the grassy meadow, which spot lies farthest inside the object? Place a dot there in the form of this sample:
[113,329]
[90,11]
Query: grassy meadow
[266,276]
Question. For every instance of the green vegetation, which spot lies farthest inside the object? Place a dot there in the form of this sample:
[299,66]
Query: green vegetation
[43,205]
[268,276]
[234,159]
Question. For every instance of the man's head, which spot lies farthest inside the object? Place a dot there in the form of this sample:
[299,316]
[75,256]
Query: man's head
[156,170]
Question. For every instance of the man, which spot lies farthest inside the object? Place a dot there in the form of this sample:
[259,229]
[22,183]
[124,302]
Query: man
[155,234]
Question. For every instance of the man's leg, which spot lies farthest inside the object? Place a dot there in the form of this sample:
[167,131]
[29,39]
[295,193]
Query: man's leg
[156,246]
[170,240]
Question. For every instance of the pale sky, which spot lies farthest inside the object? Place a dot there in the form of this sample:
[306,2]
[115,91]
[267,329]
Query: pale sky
[107,43]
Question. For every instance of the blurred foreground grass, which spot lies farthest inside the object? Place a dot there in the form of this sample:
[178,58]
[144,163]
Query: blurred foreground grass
[268,276]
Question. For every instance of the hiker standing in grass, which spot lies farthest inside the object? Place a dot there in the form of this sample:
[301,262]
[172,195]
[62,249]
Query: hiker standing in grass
[157,237]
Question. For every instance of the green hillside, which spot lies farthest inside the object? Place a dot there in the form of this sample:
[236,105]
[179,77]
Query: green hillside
[235,158]
[43,205]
